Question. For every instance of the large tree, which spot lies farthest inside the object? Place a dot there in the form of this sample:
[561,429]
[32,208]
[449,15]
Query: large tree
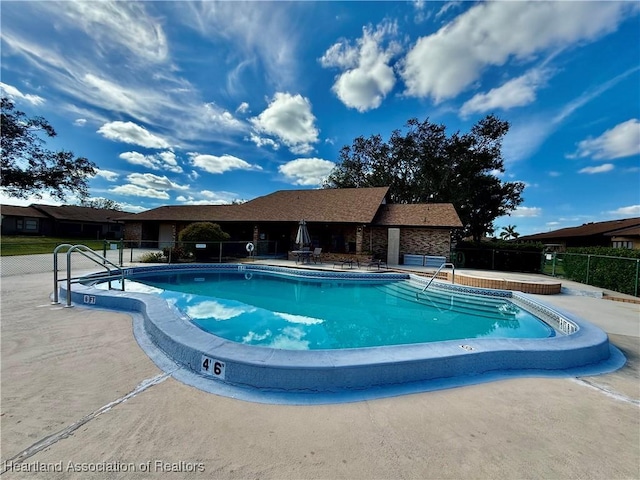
[28,168]
[425,165]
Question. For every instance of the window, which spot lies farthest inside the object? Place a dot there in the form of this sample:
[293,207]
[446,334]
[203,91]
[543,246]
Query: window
[622,244]
[27,224]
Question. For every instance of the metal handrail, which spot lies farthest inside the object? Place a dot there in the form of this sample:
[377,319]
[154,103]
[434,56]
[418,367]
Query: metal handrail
[86,252]
[453,277]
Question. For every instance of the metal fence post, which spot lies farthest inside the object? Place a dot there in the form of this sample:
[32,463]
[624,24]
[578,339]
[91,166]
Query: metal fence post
[220,256]
[553,267]
[637,273]
[588,267]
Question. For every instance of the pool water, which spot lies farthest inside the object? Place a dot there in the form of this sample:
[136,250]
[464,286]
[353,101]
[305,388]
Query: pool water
[281,312]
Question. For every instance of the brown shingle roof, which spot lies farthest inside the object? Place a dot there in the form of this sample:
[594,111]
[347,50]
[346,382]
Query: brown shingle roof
[419,215]
[339,205]
[625,232]
[15,211]
[76,213]
[586,230]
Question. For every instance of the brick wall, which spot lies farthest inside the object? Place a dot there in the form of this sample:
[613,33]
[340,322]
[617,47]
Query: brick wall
[133,231]
[423,241]
[416,241]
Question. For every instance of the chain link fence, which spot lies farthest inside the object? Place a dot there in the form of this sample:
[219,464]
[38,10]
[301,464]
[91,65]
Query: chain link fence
[620,274]
[19,258]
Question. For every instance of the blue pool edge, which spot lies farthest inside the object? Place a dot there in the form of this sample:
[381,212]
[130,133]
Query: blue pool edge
[250,372]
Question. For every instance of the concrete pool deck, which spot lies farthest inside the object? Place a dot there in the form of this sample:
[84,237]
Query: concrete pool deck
[78,393]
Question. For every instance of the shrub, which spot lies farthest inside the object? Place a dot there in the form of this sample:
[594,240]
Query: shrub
[202,232]
[175,253]
[152,257]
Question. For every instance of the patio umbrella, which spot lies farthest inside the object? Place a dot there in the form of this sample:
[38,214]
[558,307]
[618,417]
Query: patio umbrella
[303,238]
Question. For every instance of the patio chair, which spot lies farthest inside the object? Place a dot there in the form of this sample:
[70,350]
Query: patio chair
[376,262]
[317,255]
[347,261]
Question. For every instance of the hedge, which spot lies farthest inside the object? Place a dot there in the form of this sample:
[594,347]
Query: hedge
[611,268]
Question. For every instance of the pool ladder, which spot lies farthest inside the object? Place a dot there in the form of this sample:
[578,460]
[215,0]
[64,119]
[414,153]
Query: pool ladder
[453,277]
[91,255]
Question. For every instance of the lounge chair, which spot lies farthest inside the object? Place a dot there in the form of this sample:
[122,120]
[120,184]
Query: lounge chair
[347,261]
[376,262]
[317,255]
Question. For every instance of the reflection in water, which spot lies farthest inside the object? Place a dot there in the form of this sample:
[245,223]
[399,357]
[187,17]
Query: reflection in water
[300,314]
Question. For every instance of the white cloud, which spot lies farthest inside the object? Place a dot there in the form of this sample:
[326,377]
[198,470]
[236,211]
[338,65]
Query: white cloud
[243,108]
[114,24]
[606,167]
[207,197]
[368,77]
[221,118]
[80,122]
[220,164]
[630,211]
[108,175]
[524,212]
[623,140]
[262,141]
[289,118]
[449,61]
[264,31]
[161,161]
[149,180]
[516,92]
[307,171]
[129,132]
[15,94]
[136,191]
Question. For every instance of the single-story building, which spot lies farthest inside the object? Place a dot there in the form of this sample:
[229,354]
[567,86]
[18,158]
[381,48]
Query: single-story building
[349,220]
[623,233]
[62,221]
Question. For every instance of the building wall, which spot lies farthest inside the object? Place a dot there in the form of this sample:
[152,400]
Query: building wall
[133,231]
[424,241]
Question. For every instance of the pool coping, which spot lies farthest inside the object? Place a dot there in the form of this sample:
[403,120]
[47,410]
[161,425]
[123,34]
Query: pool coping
[349,369]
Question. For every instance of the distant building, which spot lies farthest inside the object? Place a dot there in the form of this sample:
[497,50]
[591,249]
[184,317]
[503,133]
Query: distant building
[624,233]
[342,220]
[62,221]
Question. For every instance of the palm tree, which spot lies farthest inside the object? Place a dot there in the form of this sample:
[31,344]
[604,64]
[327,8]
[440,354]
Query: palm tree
[509,232]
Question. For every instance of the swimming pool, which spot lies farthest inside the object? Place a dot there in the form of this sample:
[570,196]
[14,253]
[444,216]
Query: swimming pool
[293,313]
[575,343]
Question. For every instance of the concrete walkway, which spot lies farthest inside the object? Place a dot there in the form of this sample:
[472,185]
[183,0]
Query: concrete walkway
[81,398]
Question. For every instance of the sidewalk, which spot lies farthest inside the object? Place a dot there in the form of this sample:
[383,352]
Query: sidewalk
[78,390]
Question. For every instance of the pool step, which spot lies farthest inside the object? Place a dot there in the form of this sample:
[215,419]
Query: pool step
[446,301]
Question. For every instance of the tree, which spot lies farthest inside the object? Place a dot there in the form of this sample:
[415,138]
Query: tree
[103,203]
[30,169]
[509,232]
[425,165]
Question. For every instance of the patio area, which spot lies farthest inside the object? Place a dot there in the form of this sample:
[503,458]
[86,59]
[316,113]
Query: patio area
[80,399]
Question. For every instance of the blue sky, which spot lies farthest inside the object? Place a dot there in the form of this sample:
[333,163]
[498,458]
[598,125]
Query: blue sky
[186,103]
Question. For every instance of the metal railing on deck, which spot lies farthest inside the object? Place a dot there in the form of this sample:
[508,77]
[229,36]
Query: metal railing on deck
[91,255]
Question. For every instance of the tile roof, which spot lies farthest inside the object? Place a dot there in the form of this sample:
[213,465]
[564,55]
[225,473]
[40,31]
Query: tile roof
[15,211]
[419,215]
[586,230]
[339,205]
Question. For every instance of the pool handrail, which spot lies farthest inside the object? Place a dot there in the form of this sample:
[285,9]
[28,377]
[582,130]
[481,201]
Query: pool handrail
[86,252]
[453,277]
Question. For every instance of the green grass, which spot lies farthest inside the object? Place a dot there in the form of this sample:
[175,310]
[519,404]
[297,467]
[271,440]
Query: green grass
[25,245]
